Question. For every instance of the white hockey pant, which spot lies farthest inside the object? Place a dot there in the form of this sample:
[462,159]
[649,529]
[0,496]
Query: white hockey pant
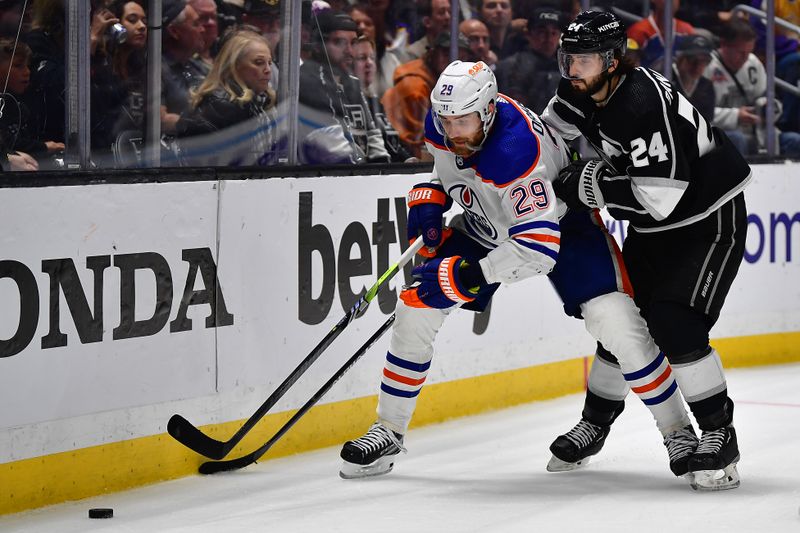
[407,363]
[614,320]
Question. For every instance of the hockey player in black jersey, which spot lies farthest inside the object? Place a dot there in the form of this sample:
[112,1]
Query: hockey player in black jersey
[679,183]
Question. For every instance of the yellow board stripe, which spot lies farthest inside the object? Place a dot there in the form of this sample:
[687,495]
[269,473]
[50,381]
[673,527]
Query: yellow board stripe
[97,470]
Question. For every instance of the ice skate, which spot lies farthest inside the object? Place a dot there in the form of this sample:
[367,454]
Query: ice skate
[681,444]
[714,463]
[573,449]
[372,454]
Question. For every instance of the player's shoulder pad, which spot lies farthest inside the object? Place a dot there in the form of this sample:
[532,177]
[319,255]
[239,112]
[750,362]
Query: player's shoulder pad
[432,135]
[513,148]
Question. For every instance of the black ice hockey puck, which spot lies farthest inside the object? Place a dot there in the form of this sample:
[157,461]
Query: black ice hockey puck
[101,513]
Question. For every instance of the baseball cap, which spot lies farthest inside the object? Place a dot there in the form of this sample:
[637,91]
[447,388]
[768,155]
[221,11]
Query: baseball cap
[693,45]
[545,16]
[170,9]
[330,21]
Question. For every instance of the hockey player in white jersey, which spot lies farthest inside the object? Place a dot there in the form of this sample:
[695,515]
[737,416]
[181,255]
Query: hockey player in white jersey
[496,159]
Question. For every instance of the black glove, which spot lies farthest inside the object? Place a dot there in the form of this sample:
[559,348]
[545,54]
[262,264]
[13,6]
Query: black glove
[578,184]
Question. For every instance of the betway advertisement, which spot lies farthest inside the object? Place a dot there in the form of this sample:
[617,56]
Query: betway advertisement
[202,297]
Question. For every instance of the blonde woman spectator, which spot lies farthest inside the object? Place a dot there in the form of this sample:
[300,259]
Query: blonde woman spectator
[234,100]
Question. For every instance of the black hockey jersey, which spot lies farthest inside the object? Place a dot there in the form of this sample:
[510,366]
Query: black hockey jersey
[673,167]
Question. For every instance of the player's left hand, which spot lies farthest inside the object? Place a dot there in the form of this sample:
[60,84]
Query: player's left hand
[444,282]
[578,184]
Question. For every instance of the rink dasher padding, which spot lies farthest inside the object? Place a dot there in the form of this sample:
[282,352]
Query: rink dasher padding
[281,259]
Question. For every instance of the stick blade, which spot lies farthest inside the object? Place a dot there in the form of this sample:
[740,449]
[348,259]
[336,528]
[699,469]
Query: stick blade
[214,467]
[187,434]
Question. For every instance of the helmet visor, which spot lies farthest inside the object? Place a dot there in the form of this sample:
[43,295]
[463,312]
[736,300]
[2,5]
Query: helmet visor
[584,66]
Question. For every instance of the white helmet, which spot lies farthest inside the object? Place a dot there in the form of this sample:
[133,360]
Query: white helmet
[463,88]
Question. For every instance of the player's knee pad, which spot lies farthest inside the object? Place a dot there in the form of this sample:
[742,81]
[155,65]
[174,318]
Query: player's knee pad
[677,328]
[414,332]
[614,320]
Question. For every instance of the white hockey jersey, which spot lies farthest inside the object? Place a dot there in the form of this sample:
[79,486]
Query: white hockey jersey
[730,95]
[505,190]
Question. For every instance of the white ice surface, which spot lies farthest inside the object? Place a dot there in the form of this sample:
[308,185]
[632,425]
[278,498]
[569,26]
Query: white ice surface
[486,474]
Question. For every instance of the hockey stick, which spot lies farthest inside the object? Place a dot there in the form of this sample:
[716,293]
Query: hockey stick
[190,436]
[212,467]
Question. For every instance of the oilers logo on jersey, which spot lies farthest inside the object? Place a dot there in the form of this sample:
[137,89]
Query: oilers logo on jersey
[473,210]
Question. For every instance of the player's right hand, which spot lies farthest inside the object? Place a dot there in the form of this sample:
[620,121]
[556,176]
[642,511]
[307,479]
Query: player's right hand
[427,203]
[440,284]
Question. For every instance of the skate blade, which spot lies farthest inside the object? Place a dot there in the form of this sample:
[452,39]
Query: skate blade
[381,466]
[557,465]
[712,480]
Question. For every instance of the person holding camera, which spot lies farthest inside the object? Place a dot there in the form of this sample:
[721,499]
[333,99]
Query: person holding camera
[740,86]
[118,77]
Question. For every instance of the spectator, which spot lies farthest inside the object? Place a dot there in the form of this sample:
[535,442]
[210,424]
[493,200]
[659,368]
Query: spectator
[496,14]
[648,33]
[333,106]
[740,82]
[692,56]
[118,85]
[532,75]
[435,18]
[408,101]
[182,38]
[360,15]
[365,68]
[477,34]
[266,16]
[46,40]
[235,96]
[207,13]
[359,12]
[19,132]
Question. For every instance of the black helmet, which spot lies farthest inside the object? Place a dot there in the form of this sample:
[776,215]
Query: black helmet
[594,31]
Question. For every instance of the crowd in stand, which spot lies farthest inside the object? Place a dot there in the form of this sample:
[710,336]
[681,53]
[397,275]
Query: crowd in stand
[366,73]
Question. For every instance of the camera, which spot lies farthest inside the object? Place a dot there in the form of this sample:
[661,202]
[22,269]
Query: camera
[117,33]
